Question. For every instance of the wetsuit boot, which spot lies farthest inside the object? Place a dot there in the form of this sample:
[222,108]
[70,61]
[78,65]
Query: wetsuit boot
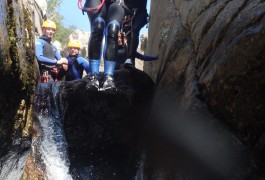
[108,81]
[93,82]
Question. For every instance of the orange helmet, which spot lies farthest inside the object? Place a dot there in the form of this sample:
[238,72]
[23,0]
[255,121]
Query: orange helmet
[49,24]
[74,43]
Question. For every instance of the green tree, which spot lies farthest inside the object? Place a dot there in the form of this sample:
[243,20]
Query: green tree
[62,33]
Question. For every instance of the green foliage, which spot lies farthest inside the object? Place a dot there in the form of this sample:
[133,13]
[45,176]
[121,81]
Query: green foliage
[62,33]
[52,8]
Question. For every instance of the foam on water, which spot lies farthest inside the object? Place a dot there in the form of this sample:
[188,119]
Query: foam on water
[14,165]
[54,152]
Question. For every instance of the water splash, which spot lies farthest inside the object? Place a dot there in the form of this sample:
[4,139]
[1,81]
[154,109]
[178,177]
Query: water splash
[53,148]
[13,165]
[53,153]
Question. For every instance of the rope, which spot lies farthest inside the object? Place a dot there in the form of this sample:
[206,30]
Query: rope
[90,9]
[130,20]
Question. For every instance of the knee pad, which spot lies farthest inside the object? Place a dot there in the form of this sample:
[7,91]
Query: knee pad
[112,29]
[98,26]
[111,46]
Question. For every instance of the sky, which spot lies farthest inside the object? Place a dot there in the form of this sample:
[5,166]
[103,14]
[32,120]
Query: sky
[73,15]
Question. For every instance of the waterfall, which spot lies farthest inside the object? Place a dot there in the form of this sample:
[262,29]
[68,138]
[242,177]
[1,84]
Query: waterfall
[53,148]
[13,164]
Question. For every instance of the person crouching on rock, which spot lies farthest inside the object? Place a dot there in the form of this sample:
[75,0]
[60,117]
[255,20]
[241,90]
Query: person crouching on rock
[76,63]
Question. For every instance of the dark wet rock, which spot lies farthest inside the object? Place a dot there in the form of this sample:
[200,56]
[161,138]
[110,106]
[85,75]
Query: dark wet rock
[211,64]
[17,71]
[209,80]
[103,130]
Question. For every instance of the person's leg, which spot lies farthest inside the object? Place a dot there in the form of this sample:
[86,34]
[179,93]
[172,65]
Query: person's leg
[97,22]
[115,16]
[138,22]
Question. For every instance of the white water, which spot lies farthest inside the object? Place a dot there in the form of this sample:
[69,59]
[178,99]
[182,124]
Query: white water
[13,167]
[54,147]
[55,159]
[140,169]
[53,153]
[50,148]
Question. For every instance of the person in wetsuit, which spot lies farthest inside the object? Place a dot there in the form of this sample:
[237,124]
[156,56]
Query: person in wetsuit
[137,14]
[105,18]
[123,52]
[76,63]
[52,66]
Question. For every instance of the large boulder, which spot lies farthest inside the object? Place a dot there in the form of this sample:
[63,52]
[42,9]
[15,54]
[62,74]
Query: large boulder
[211,60]
[87,130]
[17,70]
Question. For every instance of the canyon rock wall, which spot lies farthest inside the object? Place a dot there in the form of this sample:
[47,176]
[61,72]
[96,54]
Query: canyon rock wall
[212,60]
[17,69]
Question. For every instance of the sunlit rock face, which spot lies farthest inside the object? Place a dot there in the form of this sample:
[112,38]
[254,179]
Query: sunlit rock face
[139,64]
[58,45]
[42,5]
[211,59]
[17,69]
[40,9]
[83,37]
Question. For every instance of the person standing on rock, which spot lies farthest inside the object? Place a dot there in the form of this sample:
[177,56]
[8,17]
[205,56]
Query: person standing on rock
[76,63]
[105,18]
[52,66]
[137,15]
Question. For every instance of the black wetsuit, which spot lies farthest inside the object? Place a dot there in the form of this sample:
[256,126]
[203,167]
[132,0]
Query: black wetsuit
[139,20]
[76,66]
[123,55]
[105,20]
[47,55]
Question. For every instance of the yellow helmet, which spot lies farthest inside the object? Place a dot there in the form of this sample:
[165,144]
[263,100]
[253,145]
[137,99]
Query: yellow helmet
[74,43]
[49,24]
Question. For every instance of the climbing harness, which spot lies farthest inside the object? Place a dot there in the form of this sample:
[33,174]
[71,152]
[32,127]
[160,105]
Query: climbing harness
[84,9]
[56,72]
[127,22]
[45,77]
[46,74]
[123,36]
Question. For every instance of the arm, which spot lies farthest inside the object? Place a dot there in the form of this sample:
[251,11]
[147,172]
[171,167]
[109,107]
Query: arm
[39,54]
[84,63]
[60,60]
[57,54]
[145,57]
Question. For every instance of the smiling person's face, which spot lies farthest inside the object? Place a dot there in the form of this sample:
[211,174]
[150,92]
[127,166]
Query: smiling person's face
[73,51]
[49,32]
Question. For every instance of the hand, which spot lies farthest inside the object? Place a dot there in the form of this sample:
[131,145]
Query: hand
[62,61]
